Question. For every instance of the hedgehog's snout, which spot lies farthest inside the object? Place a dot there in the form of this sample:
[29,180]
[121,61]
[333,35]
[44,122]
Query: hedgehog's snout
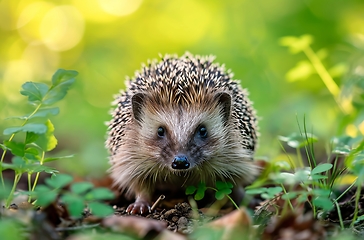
[180,162]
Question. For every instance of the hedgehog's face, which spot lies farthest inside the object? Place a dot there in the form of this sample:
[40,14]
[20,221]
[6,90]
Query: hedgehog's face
[182,137]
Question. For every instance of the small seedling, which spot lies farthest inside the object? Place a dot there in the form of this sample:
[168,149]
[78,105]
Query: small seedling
[222,189]
[79,196]
[314,183]
[37,131]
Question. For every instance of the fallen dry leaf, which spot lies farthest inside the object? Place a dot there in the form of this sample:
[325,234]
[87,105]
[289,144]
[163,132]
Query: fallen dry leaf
[234,224]
[168,235]
[137,226]
[298,226]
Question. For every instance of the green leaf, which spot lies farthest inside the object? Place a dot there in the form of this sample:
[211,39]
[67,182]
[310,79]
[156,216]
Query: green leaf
[284,177]
[61,76]
[223,185]
[5,166]
[289,196]
[199,195]
[100,194]
[190,190]
[288,40]
[344,150]
[42,168]
[296,140]
[302,175]
[44,195]
[10,228]
[201,188]
[44,112]
[282,165]
[30,167]
[272,191]
[62,81]
[357,163]
[265,196]
[323,202]
[81,187]
[302,197]
[361,218]
[359,169]
[344,141]
[47,141]
[219,195]
[321,168]
[101,209]
[31,137]
[322,53]
[41,113]
[57,158]
[59,181]
[318,177]
[338,70]
[75,204]
[354,160]
[226,191]
[34,91]
[256,191]
[301,71]
[46,198]
[16,148]
[40,93]
[18,162]
[32,150]
[38,128]
[297,44]
[41,189]
[32,154]
[222,193]
[5,191]
[321,192]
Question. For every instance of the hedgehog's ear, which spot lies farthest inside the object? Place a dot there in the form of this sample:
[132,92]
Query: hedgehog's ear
[137,102]
[224,99]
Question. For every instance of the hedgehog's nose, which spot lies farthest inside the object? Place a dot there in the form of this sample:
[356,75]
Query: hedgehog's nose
[180,162]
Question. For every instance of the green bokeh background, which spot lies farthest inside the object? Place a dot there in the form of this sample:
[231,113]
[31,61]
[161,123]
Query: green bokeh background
[107,40]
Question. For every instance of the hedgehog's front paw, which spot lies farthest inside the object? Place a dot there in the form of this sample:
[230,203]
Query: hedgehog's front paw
[139,207]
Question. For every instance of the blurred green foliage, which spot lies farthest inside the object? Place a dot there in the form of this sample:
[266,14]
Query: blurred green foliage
[105,40]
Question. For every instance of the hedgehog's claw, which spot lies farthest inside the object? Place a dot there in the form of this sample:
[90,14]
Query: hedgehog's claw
[139,207]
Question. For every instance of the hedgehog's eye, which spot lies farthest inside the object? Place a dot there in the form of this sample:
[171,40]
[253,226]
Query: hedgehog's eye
[160,132]
[202,131]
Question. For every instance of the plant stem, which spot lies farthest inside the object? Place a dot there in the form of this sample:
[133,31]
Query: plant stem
[1,172]
[299,156]
[339,214]
[352,185]
[11,195]
[314,210]
[232,201]
[357,197]
[29,186]
[236,206]
[322,72]
[286,202]
[37,175]
[2,160]
[11,138]
[290,161]
[327,79]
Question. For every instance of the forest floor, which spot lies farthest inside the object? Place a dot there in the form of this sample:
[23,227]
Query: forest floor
[173,220]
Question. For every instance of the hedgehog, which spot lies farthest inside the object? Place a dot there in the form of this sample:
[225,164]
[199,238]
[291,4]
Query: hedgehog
[181,121]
